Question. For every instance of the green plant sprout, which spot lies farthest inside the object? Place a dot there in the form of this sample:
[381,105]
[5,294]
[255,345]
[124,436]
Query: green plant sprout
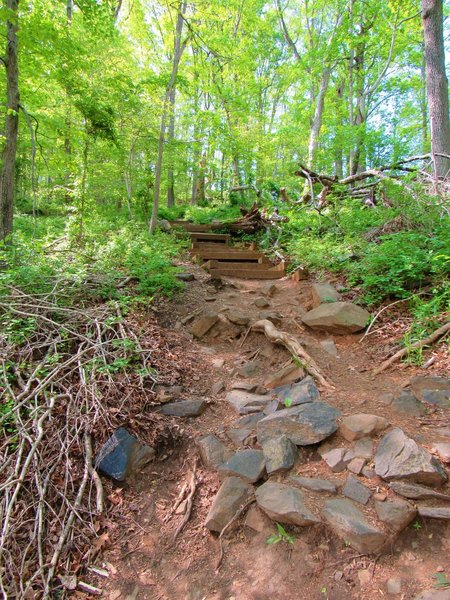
[281,536]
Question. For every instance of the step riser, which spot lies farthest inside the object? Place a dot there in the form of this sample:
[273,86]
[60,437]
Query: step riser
[216,264]
[246,274]
[210,237]
[230,256]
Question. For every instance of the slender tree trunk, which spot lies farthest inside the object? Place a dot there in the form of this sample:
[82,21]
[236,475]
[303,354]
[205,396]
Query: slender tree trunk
[317,120]
[67,140]
[7,175]
[437,84]
[83,183]
[423,106]
[170,141]
[178,51]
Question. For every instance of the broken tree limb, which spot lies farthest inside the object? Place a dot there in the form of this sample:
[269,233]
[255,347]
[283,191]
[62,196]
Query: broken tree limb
[192,486]
[276,336]
[420,344]
[228,526]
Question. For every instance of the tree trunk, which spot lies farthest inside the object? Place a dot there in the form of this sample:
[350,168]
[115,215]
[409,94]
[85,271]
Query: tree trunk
[7,179]
[170,140]
[437,84]
[317,120]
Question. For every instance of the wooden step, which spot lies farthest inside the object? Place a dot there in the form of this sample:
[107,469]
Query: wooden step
[229,255]
[190,227]
[225,264]
[210,237]
[247,273]
[220,244]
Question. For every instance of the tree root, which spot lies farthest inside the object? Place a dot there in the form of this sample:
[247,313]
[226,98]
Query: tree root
[228,526]
[190,489]
[295,348]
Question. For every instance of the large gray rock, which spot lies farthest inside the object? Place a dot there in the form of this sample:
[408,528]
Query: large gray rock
[233,493]
[239,435]
[361,425]
[314,484]
[245,402]
[249,465]
[349,523]
[434,512]
[338,317]
[284,376]
[399,457]
[123,455]
[432,389]
[298,393]
[238,318]
[204,324]
[397,513]
[304,425]
[355,490]
[362,448]
[336,459]
[324,293]
[212,452]
[284,504]
[415,491]
[408,404]
[184,408]
[280,454]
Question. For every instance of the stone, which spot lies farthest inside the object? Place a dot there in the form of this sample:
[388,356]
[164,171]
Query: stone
[415,491]
[204,324]
[250,369]
[217,363]
[355,490]
[243,385]
[280,454]
[218,388]
[432,389]
[239,435]
[439,398]
[339,317]
[362,448]
[349,523]
[212,451]
[249,421]
[443,431]
[324,293]
[261,303]
[304,424]
[408,404]
[246,402]
[284,376]
[394,586]
[298,393]
[330,347]
[361,425]
[238,318]
[356,465]
[271,407]
[269,289]
[434,512]
[434,595]
[369,473]
[273,317]
[249,465]
[123,455]
[284,504]
[185,276]
[443,451]
[399,457]
[184,408]
[257,520]
[314,484]
[380,496]
[232,494]
[396,514]
[335,459]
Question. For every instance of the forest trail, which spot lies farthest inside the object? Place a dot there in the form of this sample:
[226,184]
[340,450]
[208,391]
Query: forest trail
[146,562]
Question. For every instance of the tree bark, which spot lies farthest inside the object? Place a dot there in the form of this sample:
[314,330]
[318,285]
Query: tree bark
[170,140]
[7,175]
[437,84]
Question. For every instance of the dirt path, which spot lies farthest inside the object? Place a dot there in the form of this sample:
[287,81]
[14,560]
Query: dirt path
[145,563]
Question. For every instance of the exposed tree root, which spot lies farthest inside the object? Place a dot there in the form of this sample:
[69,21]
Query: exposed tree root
[228,526]
[295,348]
[190,490]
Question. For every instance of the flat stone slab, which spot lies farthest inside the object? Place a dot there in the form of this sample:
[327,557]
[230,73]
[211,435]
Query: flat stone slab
[204,324]
[261,303]
[284,376]
[249,465]
[355,490]
[298,393]
[339,317]
[303,425]
[250,420]
[434,512]
[336,459]
[406,403]
[238,318]
[324,293]
[314,484]
[246,402]
[233,493]
[239,435]
[361,425]
[184,408]
[400,457]
[284,504]
[280,454]
[123,455]
[362,448]
[432,389]
[212,451]
[396,514]
[185,276]
[415,491]
[349,523]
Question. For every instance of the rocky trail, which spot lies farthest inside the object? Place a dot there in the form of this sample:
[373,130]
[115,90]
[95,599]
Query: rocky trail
[354,467]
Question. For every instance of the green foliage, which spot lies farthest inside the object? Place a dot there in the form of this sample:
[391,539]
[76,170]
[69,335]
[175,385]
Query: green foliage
[442,581]
[281,536]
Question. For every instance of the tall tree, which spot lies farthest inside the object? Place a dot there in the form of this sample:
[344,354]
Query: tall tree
[437,84]
[7,179]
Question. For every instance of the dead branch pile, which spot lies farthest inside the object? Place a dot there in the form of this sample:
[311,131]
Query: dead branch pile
[251,221]
[78,375]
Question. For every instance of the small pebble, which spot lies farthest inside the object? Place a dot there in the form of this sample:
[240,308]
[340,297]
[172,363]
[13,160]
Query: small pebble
[440,569]
[380,496]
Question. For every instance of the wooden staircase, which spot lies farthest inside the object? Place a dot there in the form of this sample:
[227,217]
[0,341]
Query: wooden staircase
[221,259]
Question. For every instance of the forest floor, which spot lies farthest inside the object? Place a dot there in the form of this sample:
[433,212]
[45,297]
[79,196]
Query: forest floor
[143,560]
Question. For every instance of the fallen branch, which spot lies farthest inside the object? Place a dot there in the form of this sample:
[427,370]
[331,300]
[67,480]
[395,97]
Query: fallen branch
[420,344]
[295,348]
[192,486]
[228,526]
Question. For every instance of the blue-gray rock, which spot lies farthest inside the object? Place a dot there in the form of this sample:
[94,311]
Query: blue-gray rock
[362,448]
[185,276]
[408,404]
[233,493]
[184,408]
[323,293]
[336,459]
[239,435]
[280,454]
[249,465]
[399,457]
[349,523]
[432,389]
[415,491]
[434,512]
[304,424]
[123,455]
[245,402]
[298,393]
[314,484]
[284,504]
[396,513]
[355,490]
[212,452]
